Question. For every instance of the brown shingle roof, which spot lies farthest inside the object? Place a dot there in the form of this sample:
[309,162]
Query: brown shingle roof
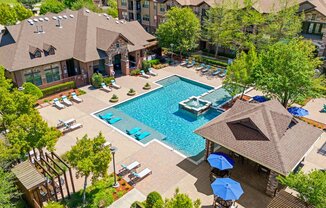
[76,39]
[265,133]
[286,200]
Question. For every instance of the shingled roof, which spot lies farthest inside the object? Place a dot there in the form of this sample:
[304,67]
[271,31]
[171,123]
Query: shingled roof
[265,133]
[284,199]
[79,37]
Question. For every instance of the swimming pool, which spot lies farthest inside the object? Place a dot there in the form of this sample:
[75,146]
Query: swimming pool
[158,113]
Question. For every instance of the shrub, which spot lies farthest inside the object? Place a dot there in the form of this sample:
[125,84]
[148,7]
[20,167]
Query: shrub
[135,72]
[152,199]
[154,62]
[137,204]
[131,92]
[97,80]
[30,88]
[197,58]
[107,80]
[145,65]
[214,62]
[160,66]
[114,99]
[103,198]
[54,205]
[147,86]
[58,88]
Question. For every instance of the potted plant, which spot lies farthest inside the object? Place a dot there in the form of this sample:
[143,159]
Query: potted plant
[131,92]
[147,86]
[114,98]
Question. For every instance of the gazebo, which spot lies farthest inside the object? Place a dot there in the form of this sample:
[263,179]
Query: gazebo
[265,133]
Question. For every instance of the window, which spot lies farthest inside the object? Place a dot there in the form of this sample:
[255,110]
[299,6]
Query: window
[313,17]
[33,76]
[123,2]
[146,4]
[146,17]
[51,51]
[37,54]
[125,15]
[52,74]
[117,45]
[162,7]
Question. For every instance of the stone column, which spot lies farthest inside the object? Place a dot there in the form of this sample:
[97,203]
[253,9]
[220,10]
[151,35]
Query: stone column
[209,148]
[125,67]
[272,183]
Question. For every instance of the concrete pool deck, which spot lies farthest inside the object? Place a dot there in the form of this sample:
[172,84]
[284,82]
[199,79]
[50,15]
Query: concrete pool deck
[170,170]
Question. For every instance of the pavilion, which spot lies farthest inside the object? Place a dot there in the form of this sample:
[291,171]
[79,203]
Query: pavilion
[264,133]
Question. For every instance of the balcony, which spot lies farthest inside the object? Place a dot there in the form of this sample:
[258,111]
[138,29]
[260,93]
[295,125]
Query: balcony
[312,36]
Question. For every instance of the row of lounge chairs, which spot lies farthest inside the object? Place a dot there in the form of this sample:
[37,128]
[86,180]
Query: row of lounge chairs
[108,117]
[107,88]
[136,131]
[205,68]
[68,125]
[65,101]
[134,176]
[149,73]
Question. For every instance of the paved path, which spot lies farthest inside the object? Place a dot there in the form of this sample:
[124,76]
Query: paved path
[128,199]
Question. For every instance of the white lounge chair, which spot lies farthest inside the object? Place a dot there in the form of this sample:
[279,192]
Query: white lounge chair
[130,167]
[69,128]
[142,174]
[114,84]
[66,123]
[105,88]
[199,68]
[76,98]
[58,104]
[144,75]
[184,63]
[66,101]
[151,72]
[191,64]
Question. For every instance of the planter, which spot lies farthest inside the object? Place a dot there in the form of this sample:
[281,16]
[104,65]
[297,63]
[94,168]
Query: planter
[114,100]
[147,88]
[131,93]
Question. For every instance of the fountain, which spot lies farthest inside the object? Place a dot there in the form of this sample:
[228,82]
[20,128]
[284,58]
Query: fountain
[195,105]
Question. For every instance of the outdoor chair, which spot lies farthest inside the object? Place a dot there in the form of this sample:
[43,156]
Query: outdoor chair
[58,104]
[223,74]
[105,88]
[69,128]
[130,167]
[140,136]
[151,72]
[199,68]
[106,116]
[76,98]
[324,109]
[66,100]
[191,64]
[64,123]
[217,71]
[208,67]
[142,73]
[184,63]
[114,120]
[114,84]
[141,175]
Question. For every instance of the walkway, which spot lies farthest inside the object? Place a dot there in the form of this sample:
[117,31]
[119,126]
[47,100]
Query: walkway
[128,199]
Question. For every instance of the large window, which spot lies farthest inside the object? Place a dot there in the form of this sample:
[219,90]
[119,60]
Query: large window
[146,4]
[123,2]
[52,73]
[33,76]
[312,28]
[146,17]
[162,7]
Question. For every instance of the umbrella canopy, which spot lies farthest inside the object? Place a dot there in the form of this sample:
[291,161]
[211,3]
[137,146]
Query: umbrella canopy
[220,161]
[227,189]
[296,111]
[259,98]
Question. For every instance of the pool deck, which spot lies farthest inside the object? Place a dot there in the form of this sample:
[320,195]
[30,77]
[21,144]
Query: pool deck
[170,170]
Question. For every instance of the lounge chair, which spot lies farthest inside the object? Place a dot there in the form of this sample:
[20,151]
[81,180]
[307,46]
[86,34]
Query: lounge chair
[69,128]
[141,136]
[324,109]
[208,67]
[58,104]
[184,63]
[142,73]
[142,174]
[151,72]
[105,88]
[65,123]
[191,64]
[66,101]
[106,116]
[133,131]
[218,70]
[114,84]
[114,120]
[130,167]
[76,98]
[222,74]
[199,68]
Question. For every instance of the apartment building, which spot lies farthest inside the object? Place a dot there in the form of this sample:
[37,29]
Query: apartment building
[150,13]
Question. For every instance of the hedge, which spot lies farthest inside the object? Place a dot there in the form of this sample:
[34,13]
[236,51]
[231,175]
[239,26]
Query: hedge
[58,88]
[203,59]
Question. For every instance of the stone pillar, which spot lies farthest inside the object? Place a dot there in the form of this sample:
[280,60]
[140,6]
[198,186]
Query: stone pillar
[272,183]
[125,67]
[109,69]
[209,148]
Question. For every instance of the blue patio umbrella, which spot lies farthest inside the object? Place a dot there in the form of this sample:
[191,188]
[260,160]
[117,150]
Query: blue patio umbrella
[259,98]
[296,111]
[227,189]
[220,161]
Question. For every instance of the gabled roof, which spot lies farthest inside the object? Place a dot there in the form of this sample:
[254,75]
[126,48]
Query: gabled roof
[265,133]
[76,39]
[284,199]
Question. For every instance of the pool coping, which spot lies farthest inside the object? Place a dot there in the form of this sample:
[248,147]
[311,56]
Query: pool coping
[156,140]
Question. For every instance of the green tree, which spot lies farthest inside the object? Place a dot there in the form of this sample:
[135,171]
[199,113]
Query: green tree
[154,199]
[181,200]
[8,190]
[181,28]
[286,70]
[97,79]
[89,4]
[22,12]
[90,157]
[53,6]
[4,82]
[241,71]
[29,3]
[30,88]
[112,8]
[54,205]
[311,187]
[8,16]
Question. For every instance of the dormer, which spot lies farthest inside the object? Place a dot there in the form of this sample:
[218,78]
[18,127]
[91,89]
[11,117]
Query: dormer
[48,49]
[35,52]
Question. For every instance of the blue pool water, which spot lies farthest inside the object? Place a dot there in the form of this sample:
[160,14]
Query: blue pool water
[158,113]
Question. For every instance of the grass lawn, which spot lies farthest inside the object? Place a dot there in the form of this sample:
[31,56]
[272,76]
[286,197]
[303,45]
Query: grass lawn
[9,1]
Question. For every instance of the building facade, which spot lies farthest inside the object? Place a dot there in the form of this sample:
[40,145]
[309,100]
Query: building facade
[150,13]
[71,46]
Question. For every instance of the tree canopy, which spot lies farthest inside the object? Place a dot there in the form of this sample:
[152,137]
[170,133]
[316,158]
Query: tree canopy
[181,28]
[30,88]
[29,3]
[22,12]
[53,6]
[90,156]
[311,187]
[8,16]
[8,190]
